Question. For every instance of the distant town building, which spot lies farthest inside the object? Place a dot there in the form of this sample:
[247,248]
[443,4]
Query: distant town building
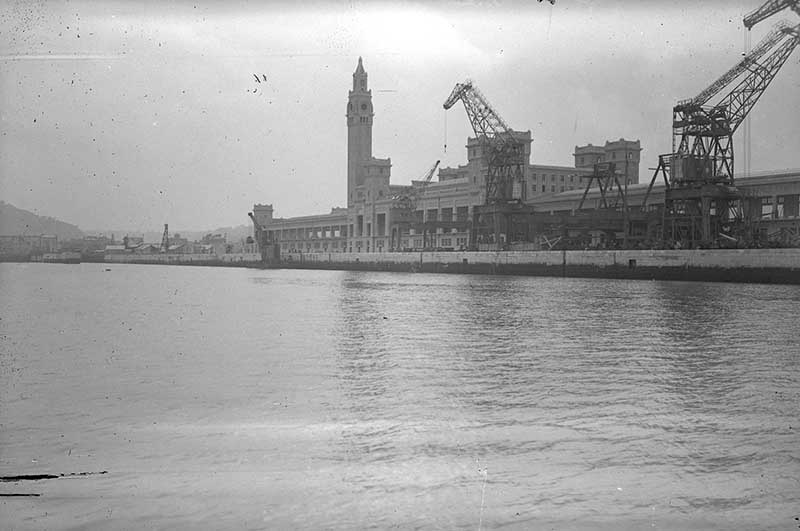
[24,246]
[216,243]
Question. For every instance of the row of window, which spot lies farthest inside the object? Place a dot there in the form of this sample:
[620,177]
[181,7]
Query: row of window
[294,247]
[417,243]
[785,206]
[628,155]
[310,233]
[572,178]
[553,188]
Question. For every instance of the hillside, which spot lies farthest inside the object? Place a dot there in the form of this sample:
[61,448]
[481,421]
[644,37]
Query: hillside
[15,221]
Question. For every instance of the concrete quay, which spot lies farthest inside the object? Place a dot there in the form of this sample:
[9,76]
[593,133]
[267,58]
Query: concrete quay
[773,266]
[228,260]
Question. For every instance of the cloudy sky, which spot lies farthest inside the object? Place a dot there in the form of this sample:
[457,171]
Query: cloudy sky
[134,114]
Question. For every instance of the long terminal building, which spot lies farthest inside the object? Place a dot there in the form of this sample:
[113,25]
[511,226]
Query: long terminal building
[382,217]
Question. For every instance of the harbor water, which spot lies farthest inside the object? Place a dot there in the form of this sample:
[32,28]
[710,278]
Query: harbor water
[226,398]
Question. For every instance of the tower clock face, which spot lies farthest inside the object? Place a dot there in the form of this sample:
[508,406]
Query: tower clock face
[363,106]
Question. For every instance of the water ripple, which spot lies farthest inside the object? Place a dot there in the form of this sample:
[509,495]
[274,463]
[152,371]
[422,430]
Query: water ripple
[340,400]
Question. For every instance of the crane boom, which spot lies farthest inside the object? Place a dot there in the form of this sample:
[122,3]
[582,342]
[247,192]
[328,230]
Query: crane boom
[165,239]
[260,233]
[739,101]
[768,9]
[505,154]
[767,43]
[255,223]
[429,175]
[485,121]
[416,191]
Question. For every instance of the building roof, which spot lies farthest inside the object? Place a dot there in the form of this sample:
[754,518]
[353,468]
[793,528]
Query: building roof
[559,168]
[321,218]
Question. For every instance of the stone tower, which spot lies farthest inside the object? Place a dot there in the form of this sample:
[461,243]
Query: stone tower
[623,153]
[359,130]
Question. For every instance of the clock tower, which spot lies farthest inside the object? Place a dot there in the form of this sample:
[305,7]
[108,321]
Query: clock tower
[359,131]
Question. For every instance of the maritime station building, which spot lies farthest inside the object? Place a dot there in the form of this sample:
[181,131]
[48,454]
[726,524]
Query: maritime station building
[381,216]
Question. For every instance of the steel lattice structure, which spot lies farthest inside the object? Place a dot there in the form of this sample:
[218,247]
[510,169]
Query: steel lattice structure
[165,239]
[750,60]
[605,176]
[768,9]
[703,135]
[505,154]
[701,201]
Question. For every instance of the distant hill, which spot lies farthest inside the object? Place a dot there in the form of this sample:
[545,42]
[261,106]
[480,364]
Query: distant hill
[15,221]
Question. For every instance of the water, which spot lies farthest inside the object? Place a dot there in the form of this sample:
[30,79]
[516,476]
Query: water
[243,399]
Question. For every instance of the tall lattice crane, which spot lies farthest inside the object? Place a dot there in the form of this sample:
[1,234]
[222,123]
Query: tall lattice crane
[769,8]
[700,198]
[703,134]
[505,154]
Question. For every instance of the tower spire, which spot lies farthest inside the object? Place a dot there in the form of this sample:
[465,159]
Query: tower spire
[360,78]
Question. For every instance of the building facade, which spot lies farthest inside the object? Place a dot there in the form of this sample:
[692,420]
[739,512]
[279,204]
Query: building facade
[624,154]
[381,216]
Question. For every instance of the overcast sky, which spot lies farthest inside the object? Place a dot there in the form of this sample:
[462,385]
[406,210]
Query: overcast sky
[134,114]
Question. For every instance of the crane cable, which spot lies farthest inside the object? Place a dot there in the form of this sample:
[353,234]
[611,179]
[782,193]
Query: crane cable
[746,129]
[445,130]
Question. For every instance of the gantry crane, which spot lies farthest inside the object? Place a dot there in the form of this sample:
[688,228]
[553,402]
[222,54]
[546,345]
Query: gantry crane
[606,177]
[703,134]
[505,158]
[700,198]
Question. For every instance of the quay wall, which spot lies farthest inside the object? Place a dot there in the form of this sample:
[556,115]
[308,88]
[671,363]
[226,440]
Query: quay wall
[733,265]
[778,266]
[232,259]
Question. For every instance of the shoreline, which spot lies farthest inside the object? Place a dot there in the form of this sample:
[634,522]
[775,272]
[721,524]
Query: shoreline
[770,266]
